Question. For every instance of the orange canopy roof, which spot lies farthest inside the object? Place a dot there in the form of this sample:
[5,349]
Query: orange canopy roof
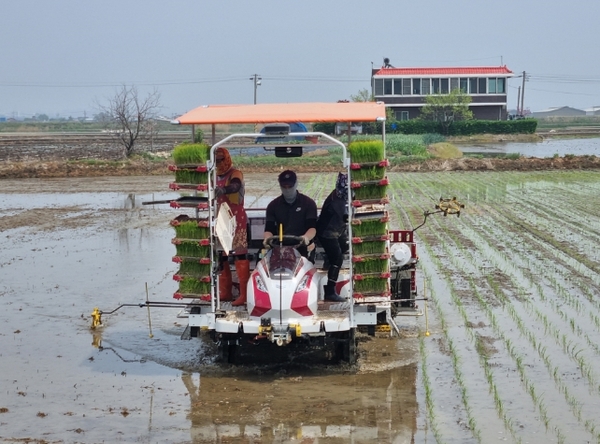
[284,113]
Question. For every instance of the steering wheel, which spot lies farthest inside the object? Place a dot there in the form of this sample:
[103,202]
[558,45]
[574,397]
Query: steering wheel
[287,241]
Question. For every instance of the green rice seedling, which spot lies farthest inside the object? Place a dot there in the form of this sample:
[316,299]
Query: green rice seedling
[193,286]
[189,229]
[191,154]
[370,192]
[373,247]
[190,176]
[365,174]
[185,248]
[366,151]
[366,227]
[371,285]
[371,265]
[194,268]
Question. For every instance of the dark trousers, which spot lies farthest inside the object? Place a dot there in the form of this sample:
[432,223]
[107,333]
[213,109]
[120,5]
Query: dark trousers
[334,249]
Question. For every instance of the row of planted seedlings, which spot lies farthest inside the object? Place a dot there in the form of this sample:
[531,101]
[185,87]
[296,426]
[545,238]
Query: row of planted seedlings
[559,300]
[192,233]
[562,277]
[368,188]
[561,314]
[454,307]
[439,354]
[481,292]
[562,215]
[543,352]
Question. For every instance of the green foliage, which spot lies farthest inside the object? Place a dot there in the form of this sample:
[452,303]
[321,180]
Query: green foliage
[374,247]
[194,268]
[369,228]
[431,138]
[370,192]
[324,127]
[365,151]
[191,177]
[191,154]
[370,285]
[415,126]
[468,128]
[371,265]
[363,95]
[193,286]
[447,108]
[368,173]
[190,230]
[407,145]
[191,249]
[198,135]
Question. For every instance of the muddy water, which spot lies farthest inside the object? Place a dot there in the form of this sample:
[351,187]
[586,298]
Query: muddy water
[69,245]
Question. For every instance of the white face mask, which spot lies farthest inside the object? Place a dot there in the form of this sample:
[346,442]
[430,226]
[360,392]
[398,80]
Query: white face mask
[289,194]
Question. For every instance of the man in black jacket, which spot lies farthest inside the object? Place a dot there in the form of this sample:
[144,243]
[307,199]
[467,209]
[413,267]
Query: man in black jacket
[333,234]
[295,211]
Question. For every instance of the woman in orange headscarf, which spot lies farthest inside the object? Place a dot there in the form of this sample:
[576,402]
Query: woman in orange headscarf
[230,189]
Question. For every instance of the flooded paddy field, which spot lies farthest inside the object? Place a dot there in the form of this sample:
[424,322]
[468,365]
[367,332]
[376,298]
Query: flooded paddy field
[514,322]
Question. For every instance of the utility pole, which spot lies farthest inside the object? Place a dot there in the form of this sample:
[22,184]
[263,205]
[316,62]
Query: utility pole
[518,101]
[523,94]
[257,81]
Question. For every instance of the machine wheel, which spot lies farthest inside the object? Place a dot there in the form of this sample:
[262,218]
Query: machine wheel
[346,348]
[194,331]
[229,352]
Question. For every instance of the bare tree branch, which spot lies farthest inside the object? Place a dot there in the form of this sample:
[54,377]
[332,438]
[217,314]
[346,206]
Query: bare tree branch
[132,118]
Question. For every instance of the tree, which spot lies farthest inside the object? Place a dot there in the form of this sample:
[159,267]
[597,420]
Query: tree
[447,108]
[363,96]
[130,117]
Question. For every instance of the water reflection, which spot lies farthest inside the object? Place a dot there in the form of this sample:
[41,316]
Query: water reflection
[375,407]
[545,148]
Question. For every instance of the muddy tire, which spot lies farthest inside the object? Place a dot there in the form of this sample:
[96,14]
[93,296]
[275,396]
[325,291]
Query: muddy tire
[346,348]
[229,352]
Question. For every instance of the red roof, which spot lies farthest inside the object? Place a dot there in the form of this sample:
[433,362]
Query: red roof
[452,71]
[285,112]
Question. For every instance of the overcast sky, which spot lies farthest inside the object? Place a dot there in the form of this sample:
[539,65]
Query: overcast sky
[64,56]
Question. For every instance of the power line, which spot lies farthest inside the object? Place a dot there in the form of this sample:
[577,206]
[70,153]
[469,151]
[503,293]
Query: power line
[174,82]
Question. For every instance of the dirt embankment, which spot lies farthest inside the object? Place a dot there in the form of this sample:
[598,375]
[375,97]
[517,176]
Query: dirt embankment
[141,167]
[79,158]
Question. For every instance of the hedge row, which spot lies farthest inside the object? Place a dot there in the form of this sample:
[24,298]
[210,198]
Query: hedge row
[460,128]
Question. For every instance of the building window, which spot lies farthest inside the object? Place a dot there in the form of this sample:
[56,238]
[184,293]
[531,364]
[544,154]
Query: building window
[425,87]
[401,115]
[406,87]
[482,85]
[492,86]
[501,86]
[397,86]
[416,86]
[435,86]
[472,85]
[464,85]
[453,84]
[444,86]
[378,87]
[387,87]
